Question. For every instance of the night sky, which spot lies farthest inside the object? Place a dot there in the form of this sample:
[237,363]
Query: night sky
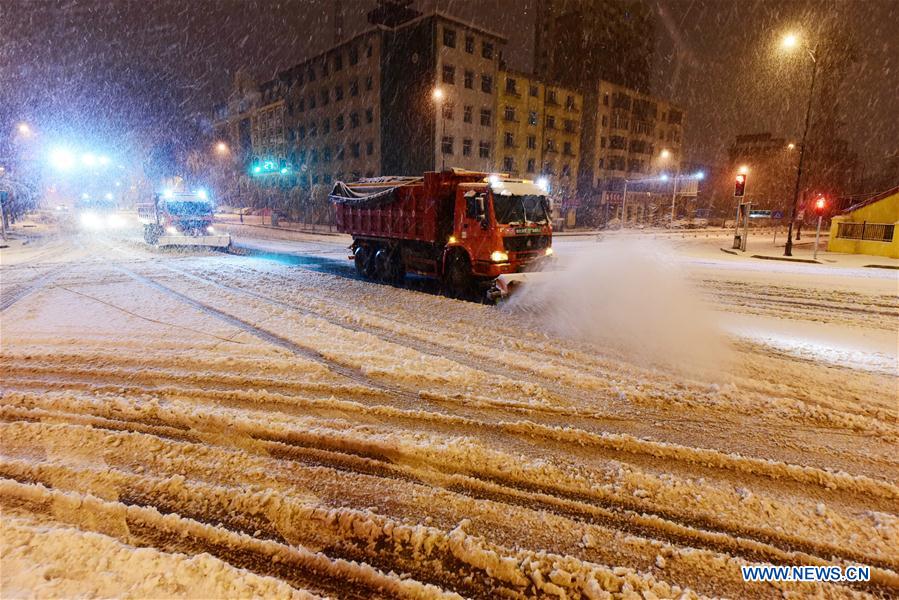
[116,70]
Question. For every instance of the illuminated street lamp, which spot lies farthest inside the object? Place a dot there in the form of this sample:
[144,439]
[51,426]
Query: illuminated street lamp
[791,41]
[743,170]
[665,154]
[221,148]
[438,96]
[24,129]
[791,146]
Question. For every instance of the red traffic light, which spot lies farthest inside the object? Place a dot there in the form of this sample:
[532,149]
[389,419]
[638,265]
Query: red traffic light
[820,205]
[740,185]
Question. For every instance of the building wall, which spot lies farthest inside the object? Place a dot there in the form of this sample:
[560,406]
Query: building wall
[631,131]
[561,138]
[467,70]
[882,212]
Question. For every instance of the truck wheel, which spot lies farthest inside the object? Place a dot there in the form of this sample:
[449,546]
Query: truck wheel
[363,261]
[151,235]
[381,265]
[458,280]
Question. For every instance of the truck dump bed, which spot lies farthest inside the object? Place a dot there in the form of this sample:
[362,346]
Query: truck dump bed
[406,208]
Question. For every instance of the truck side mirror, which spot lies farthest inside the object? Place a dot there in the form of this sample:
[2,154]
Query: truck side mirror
[482,210]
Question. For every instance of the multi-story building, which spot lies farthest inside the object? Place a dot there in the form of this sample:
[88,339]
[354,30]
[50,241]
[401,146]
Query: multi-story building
[579,42]
[400,98]
[628,136]
[538,131]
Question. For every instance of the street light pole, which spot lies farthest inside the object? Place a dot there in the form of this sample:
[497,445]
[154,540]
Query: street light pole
[674,196]
[788,248]
[623,203]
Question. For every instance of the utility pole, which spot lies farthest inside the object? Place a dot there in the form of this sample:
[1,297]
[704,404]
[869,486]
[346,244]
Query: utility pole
[674,196]
[788,248]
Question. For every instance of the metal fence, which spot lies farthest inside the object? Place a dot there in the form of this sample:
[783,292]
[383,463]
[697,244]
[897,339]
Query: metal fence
[874,232]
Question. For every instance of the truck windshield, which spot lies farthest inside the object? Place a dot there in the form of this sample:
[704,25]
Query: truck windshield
[518,210]
[187,207]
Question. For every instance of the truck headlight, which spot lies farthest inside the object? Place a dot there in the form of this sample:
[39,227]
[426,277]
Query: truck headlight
[499,256]
[549,252]
[171,230]
[210,229]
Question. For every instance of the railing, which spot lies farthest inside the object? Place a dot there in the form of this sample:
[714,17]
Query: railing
[872,232]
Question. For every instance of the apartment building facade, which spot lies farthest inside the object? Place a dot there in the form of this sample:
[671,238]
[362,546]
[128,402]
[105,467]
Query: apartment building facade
[537,131]
[367,107]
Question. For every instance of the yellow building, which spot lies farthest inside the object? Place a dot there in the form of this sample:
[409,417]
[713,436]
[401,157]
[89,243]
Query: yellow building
[868,227]
[537,131]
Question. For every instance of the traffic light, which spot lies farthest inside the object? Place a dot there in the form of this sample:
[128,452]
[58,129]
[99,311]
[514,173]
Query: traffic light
[740,186]
[820,205]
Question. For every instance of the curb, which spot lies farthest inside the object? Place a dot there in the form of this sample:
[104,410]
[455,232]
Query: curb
[882,267]
[728,251]
[788,259]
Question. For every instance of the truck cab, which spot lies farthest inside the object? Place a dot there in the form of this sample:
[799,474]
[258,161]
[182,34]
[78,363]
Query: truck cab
[181,219]
[503,225]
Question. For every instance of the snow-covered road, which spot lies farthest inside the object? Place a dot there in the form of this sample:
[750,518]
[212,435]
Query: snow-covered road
[211,425]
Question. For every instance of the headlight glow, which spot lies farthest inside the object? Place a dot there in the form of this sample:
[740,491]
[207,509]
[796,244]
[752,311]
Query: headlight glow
[499,256]
[91,220]
[171,230]
[210,229]
[549,252]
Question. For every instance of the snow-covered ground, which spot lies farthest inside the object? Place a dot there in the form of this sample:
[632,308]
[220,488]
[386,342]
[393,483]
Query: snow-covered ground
[199,424]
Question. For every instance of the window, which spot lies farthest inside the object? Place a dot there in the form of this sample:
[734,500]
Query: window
[566,149]
[354,87]
[326,126]
[446,145]
[507,164]
[326,154]
[302,132]
[570,126]
[338,92]
[448,111]
[569,102]
[617,142]
[605,121]
[338,122]
[466,113]
[511,85]
[601,161]
[354,55]
[339,152]
[338,61]
[485,117]
[605,99]
[550,145]
[449,37]
[551,97]
[356,150]
[532,165]
[311,73]
[533,91]
[449,74]
[484,150]
[369,115]
[354,120]
[469,80]
[510,140]
[532,142]
[311,101]
[487,50]
[550,122]
[313,130]
[466,147]
[369,82]
[487,84]
[369,147]
[469,44]
[368,51]
[325,68]
[509,113]
[302,105]
[532,117]
[566,170]
[602,142]
[548,168]
[325,97]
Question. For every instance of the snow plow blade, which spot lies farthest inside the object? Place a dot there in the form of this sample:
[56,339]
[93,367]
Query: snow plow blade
[212,241]
[505,285]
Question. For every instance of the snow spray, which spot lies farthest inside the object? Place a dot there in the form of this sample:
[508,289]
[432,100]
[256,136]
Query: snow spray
[630,296]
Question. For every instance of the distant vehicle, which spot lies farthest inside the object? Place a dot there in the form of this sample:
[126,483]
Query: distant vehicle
[98,215]
[180,219]
[465,228]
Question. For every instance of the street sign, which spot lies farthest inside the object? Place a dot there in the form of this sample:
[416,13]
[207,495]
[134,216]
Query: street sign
[777,214]
[760,214]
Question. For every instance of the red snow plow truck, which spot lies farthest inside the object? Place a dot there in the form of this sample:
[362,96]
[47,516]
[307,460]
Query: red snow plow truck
[476,232]
[180,219]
